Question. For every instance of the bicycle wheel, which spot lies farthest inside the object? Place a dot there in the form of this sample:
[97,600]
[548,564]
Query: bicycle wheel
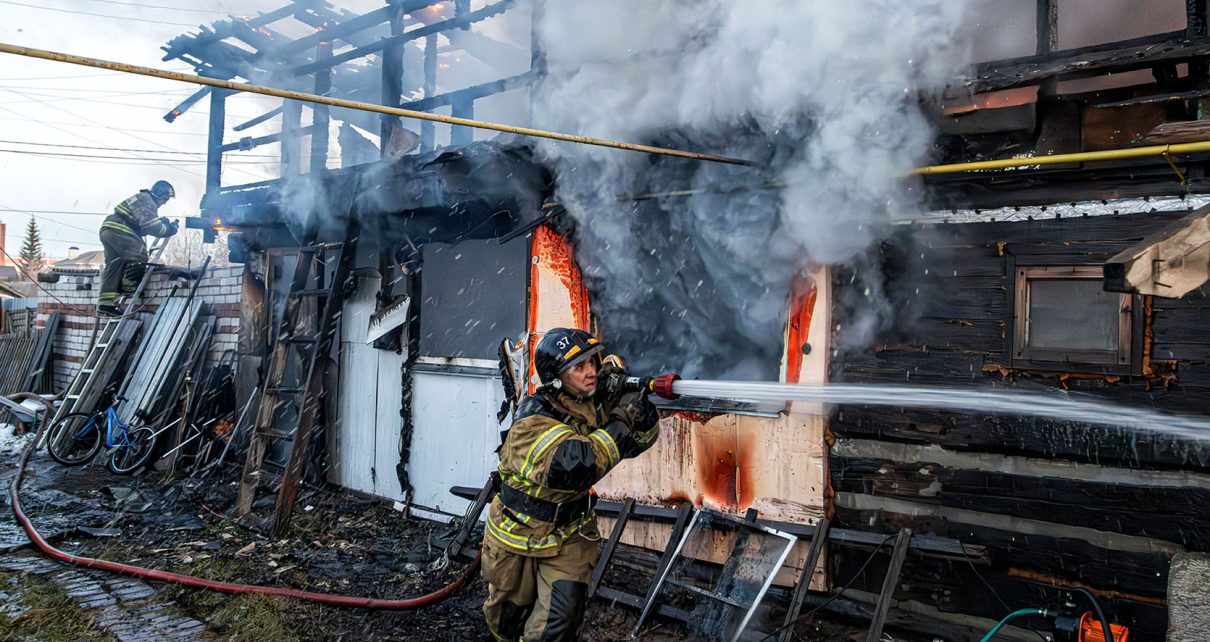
[130,458]
[75,439]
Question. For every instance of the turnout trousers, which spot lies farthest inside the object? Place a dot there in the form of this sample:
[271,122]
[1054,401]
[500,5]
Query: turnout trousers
[536,599]
[125,262]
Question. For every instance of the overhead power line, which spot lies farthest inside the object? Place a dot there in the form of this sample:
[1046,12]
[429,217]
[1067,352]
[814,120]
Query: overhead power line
[50,123]
[170,162]
[42,54]
[73,212]
[99,15]
[156,6]
[233,168]
[22,78]
[124,149]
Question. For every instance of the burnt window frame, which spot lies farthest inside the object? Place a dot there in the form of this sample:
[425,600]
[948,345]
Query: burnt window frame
[1127,360]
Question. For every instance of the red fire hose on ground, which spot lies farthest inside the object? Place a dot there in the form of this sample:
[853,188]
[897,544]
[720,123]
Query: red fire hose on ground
[14,491]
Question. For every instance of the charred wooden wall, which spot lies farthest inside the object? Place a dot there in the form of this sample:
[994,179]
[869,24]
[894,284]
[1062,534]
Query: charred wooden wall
[1104,508]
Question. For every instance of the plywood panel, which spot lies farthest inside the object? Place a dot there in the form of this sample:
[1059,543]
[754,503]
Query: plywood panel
[729,462]
[454,438]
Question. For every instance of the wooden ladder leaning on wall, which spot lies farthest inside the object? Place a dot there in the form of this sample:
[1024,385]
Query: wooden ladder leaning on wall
[292,384]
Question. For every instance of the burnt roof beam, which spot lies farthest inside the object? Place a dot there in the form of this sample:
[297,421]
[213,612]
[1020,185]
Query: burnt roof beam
[1138,53]
[471,93]
[339,31]
[325,18]
[187,43]
[415,34]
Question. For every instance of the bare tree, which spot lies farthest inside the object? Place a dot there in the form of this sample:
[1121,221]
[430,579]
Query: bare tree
[187,249]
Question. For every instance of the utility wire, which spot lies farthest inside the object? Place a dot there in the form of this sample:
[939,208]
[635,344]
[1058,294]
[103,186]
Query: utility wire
[20,78]
[836,595]
[61,212]
[117,129]
[34,279]
[157,6]
[123,149]
[169,162]
[99,15]
[74,227]
[92,140]
[140,138]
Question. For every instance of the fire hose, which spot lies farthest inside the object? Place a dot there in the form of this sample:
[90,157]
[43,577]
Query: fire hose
[331,599]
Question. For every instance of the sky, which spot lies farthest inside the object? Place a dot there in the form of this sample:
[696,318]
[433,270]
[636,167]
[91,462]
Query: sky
[46,103]
[47,106]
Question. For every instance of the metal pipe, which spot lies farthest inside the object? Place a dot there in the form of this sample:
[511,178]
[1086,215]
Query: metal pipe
[1063,159]
[43,54]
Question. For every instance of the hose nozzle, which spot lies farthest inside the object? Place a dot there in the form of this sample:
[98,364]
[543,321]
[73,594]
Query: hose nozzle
[662,385]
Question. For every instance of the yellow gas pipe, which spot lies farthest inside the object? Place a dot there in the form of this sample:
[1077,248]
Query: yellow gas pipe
[1167,151]
[350,104]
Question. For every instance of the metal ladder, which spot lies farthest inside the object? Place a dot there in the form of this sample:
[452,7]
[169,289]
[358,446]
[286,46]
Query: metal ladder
[292,384]
[81,385]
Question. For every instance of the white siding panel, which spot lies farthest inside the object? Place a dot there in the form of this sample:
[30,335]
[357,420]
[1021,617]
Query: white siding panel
[455,436]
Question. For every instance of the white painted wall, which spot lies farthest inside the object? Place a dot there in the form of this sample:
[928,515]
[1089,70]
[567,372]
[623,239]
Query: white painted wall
[365,442]
[455,432]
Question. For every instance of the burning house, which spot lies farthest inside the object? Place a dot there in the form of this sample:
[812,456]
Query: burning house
[395,265]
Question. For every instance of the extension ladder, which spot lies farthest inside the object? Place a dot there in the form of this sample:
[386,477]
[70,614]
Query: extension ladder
[82,392]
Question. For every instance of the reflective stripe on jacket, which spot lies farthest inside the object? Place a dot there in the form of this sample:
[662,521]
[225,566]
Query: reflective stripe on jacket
[555,451]
[140,216]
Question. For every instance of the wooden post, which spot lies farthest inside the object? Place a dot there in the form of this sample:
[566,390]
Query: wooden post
[611,546]
[462,136]
[889,583]
[214,152]
[1048,39]
[392,74]
[428,132]
[1197,19]
[1048,26]
[320,113]
[804,580]
[291,137]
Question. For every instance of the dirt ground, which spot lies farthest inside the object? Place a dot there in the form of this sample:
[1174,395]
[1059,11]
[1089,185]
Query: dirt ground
[337,542]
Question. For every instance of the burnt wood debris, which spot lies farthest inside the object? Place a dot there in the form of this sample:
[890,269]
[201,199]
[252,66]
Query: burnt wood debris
[324,411]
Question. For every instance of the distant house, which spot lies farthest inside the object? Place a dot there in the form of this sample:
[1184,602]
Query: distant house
[79,263]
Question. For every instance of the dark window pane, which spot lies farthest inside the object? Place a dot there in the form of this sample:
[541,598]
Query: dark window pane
[1073,315]
[473,295]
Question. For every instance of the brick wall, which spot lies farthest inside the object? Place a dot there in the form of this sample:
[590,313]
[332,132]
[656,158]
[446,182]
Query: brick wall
[75,296]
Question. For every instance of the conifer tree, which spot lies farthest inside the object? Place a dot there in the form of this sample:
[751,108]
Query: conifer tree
[32,258]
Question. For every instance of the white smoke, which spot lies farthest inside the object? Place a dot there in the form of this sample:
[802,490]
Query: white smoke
[823,95]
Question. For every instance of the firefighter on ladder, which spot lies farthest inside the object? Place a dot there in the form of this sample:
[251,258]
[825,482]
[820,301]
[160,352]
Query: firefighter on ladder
[125,250]
[541,541]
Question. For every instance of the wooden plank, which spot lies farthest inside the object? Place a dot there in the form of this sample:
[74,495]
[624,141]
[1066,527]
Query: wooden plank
[889,583]
[802,588]
[615,536]
[1139,53]
[1171,514]
[684,512]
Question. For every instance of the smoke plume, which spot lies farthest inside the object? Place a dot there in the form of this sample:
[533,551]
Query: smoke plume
[821,96]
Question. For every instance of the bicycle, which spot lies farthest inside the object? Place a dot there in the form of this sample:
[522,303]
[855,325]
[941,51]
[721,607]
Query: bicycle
[75,439]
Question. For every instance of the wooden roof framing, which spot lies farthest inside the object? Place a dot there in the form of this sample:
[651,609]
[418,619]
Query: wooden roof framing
[257,49]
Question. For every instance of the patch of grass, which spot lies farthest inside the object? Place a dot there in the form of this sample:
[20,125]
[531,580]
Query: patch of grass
[259,617]
[51,616]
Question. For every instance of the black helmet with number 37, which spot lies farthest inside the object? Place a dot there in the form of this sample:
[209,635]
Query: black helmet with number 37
[561,349]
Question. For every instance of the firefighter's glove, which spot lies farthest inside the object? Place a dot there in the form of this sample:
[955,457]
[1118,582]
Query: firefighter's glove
[636,411]
[611,376]
[171,225]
